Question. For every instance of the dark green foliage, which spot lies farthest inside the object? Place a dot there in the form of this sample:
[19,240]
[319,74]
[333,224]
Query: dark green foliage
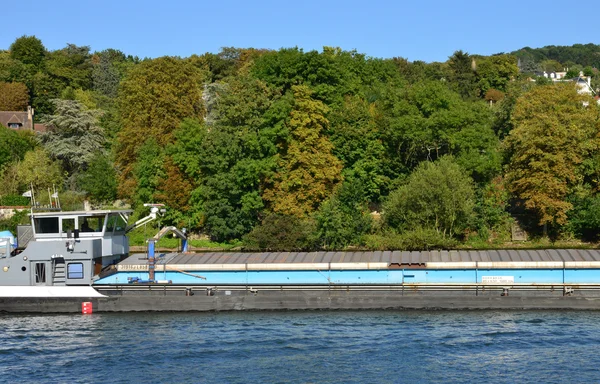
[584,218]
[426,121]
[582,54]
[437,196]
[230,159]
[344,218]
[281,233]
[74,135]
[418,70]
[14,145]
[461,75]
[496,72]
[148,171]
[20,217]
[492,219]
[28,50]
[71,66]
[357,143]
[418,239]
[14,201]
[99,179]
[106,75]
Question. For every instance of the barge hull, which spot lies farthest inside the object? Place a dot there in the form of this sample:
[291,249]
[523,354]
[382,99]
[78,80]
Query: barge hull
[288,300]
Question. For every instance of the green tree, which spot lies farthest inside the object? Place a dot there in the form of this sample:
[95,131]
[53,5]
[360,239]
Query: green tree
[28,50]
[437,195]
[495,72]
[99,179]
[148,171]
[13,97]
[229,156]
[344,218]
[552,66]
[357,143]
[73,136]
[427,121]
[37,169]
[308,171]
[153,100]
[71,66]
[14,145]
[461,74]
[553,135]
[106,74]
[282,233]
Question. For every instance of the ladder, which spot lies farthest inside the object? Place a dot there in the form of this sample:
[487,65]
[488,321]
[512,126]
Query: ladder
[58,273]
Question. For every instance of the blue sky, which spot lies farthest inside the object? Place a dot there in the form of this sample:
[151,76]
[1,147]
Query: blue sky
[427,30]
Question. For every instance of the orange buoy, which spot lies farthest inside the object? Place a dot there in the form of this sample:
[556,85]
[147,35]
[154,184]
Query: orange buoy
[86,308]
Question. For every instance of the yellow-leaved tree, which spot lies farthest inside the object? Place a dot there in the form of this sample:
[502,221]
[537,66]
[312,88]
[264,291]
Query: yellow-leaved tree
[307,169]
[556,130]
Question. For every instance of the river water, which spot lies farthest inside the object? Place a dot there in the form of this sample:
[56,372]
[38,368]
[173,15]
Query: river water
[303,347]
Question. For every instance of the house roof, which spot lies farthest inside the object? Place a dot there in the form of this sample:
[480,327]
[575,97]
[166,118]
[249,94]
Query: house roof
[16,117]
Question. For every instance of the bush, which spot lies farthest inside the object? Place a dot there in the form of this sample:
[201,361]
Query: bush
[584,218]
[282,233]
[20,217]
[14,201]
[344,218]
[415,240]
[437,196]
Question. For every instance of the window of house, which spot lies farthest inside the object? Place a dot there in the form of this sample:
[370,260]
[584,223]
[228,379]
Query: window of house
[75,271]
[14,125]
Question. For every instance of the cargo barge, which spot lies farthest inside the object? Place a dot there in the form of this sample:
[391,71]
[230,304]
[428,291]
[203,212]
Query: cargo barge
[65,261]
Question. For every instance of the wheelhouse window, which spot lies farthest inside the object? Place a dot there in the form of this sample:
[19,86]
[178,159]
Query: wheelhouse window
[75,271]
[90,223]
[115,223]
[68,225]
[46,225]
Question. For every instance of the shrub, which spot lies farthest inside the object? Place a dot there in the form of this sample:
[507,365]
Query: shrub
[14,201]
[280,232]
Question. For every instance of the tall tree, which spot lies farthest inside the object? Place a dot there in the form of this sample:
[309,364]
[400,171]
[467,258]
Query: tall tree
[229,158]
[427,120]
[308,171]
[153,100]
[495,72]
[28,50]
[14,145]
[37,169]
[461,74]
[554,133]
[357,143]
[13,97]
[74,136]
[71,66]
[99,180]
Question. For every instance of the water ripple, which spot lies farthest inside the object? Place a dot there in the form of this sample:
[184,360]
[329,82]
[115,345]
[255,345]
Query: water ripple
[302,347]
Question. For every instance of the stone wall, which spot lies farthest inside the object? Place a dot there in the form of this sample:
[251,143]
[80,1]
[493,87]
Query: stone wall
[8,212]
